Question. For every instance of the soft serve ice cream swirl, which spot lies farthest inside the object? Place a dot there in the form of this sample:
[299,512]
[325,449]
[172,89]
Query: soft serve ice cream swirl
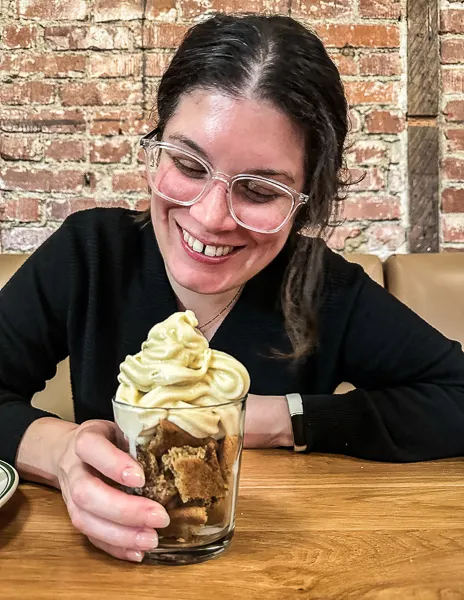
[174,371]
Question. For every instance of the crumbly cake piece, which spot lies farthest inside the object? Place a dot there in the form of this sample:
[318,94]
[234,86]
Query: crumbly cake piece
[168,435]
[159,485]
[217,511]
[186,522]
[227,454]
[197,473]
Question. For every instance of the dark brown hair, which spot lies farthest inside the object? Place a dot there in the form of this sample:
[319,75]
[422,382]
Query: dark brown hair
[277,59]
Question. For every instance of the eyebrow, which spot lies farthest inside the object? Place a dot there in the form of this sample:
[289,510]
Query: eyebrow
[199,150]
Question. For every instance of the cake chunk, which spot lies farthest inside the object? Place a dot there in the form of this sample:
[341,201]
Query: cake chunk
[227,454]
[186,522]
[168,435]
[197,473]
[159,484]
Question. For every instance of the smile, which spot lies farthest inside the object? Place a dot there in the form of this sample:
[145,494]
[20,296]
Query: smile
[207,250]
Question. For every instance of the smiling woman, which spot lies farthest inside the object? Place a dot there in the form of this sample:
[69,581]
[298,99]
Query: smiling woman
[247,152]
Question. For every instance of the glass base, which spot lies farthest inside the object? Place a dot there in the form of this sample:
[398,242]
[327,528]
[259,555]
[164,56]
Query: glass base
[188,556]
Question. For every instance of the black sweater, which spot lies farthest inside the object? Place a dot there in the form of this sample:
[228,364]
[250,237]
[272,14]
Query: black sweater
[95,287]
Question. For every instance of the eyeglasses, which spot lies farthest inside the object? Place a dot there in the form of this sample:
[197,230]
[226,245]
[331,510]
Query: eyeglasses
[181,176]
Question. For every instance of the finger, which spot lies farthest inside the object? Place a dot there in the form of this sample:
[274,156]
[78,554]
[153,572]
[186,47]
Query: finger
[91,494]
[94,447]
[112,533]
[122,553]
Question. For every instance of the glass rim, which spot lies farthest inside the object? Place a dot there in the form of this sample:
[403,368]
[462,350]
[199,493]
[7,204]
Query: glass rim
[241,400]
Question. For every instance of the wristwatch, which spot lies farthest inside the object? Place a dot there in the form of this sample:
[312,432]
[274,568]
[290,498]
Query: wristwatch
[295,405]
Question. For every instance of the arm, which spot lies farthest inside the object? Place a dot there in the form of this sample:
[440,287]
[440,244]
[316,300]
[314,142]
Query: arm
[409,401]
[33,336]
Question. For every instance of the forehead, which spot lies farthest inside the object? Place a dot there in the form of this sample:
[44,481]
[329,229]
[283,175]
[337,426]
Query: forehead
[239,132]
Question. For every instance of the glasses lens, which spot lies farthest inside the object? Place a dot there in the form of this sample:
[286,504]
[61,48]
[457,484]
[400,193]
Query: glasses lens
[177,176]
[260,204]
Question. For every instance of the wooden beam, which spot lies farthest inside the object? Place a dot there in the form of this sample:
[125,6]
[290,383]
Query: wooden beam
[423,189]
[423,132]
[423,58]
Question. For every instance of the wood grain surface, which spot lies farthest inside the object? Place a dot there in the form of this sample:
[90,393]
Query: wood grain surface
[308,526]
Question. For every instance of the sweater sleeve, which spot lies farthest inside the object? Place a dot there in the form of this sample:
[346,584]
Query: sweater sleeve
[408,404]
[33,339]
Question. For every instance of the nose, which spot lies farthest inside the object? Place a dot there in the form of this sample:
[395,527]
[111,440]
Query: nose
[212,211]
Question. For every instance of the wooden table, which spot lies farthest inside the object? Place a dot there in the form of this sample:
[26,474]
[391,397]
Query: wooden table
[313,527]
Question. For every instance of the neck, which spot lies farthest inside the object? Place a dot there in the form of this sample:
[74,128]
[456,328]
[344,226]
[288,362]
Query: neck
[205,306]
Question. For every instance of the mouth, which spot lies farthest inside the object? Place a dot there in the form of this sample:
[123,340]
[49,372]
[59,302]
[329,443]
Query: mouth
[206,252]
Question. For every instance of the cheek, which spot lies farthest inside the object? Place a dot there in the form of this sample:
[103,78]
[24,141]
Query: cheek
[267,247]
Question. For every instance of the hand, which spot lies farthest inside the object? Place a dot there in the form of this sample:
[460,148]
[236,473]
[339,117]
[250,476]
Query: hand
[118,523]
[267,422]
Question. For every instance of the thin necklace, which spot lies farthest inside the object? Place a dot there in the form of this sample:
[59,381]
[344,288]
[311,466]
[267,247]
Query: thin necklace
[200,327]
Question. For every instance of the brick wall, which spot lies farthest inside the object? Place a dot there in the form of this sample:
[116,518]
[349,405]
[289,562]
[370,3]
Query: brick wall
[77,86]
[452,121]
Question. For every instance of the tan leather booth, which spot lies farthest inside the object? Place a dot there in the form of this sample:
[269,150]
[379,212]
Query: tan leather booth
[431,284]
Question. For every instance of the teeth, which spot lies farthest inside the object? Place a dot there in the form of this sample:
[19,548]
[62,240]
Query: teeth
[198,246]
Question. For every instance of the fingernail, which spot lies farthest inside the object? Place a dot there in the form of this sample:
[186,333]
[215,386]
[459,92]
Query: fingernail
[133,477]
[146,540]
[157,518]
[135,555]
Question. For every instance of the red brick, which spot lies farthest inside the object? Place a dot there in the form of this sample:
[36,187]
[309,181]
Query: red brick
[373,208]
[455,139]
[93,93]
[42,180]
[27,92]
[25,210]
[94,37]
[322,9]
[452,21]
[159,8]
[118,10]
[64,150]
[52,65]
[453,81]
[338,236]
[452,51]
[339,35]
[61,210]
[24,239]
[157,64]
[367,179]
[385,65]
[384,238]
[380,9]
[42,120]
[110,151]
[119,122]
[163,35]
[367,152]
[194,8]
[346,64]
[454,110]
[70,10]
[142,205]
[7,63]
[371,92]
[453,200]
[354,120]
[453,168]
[384,121]
[451,249]
[115,65]
[128,181]
[20,148]
[19,36]
[453,228]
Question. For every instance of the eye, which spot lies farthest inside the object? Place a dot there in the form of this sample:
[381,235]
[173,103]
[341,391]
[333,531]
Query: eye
[259,192]
[189,166]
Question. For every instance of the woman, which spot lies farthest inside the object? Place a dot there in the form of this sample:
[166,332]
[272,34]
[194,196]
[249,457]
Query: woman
[248,150]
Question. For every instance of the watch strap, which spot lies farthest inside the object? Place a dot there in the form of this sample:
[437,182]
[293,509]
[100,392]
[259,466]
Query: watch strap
[295,405]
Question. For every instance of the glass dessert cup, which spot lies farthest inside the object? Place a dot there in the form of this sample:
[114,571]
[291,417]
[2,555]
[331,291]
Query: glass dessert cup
[193,475]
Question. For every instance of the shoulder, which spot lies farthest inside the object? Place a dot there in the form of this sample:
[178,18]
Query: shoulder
[110,220]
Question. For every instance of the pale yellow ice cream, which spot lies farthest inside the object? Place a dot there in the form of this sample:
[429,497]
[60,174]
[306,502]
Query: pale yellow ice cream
[174,371]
